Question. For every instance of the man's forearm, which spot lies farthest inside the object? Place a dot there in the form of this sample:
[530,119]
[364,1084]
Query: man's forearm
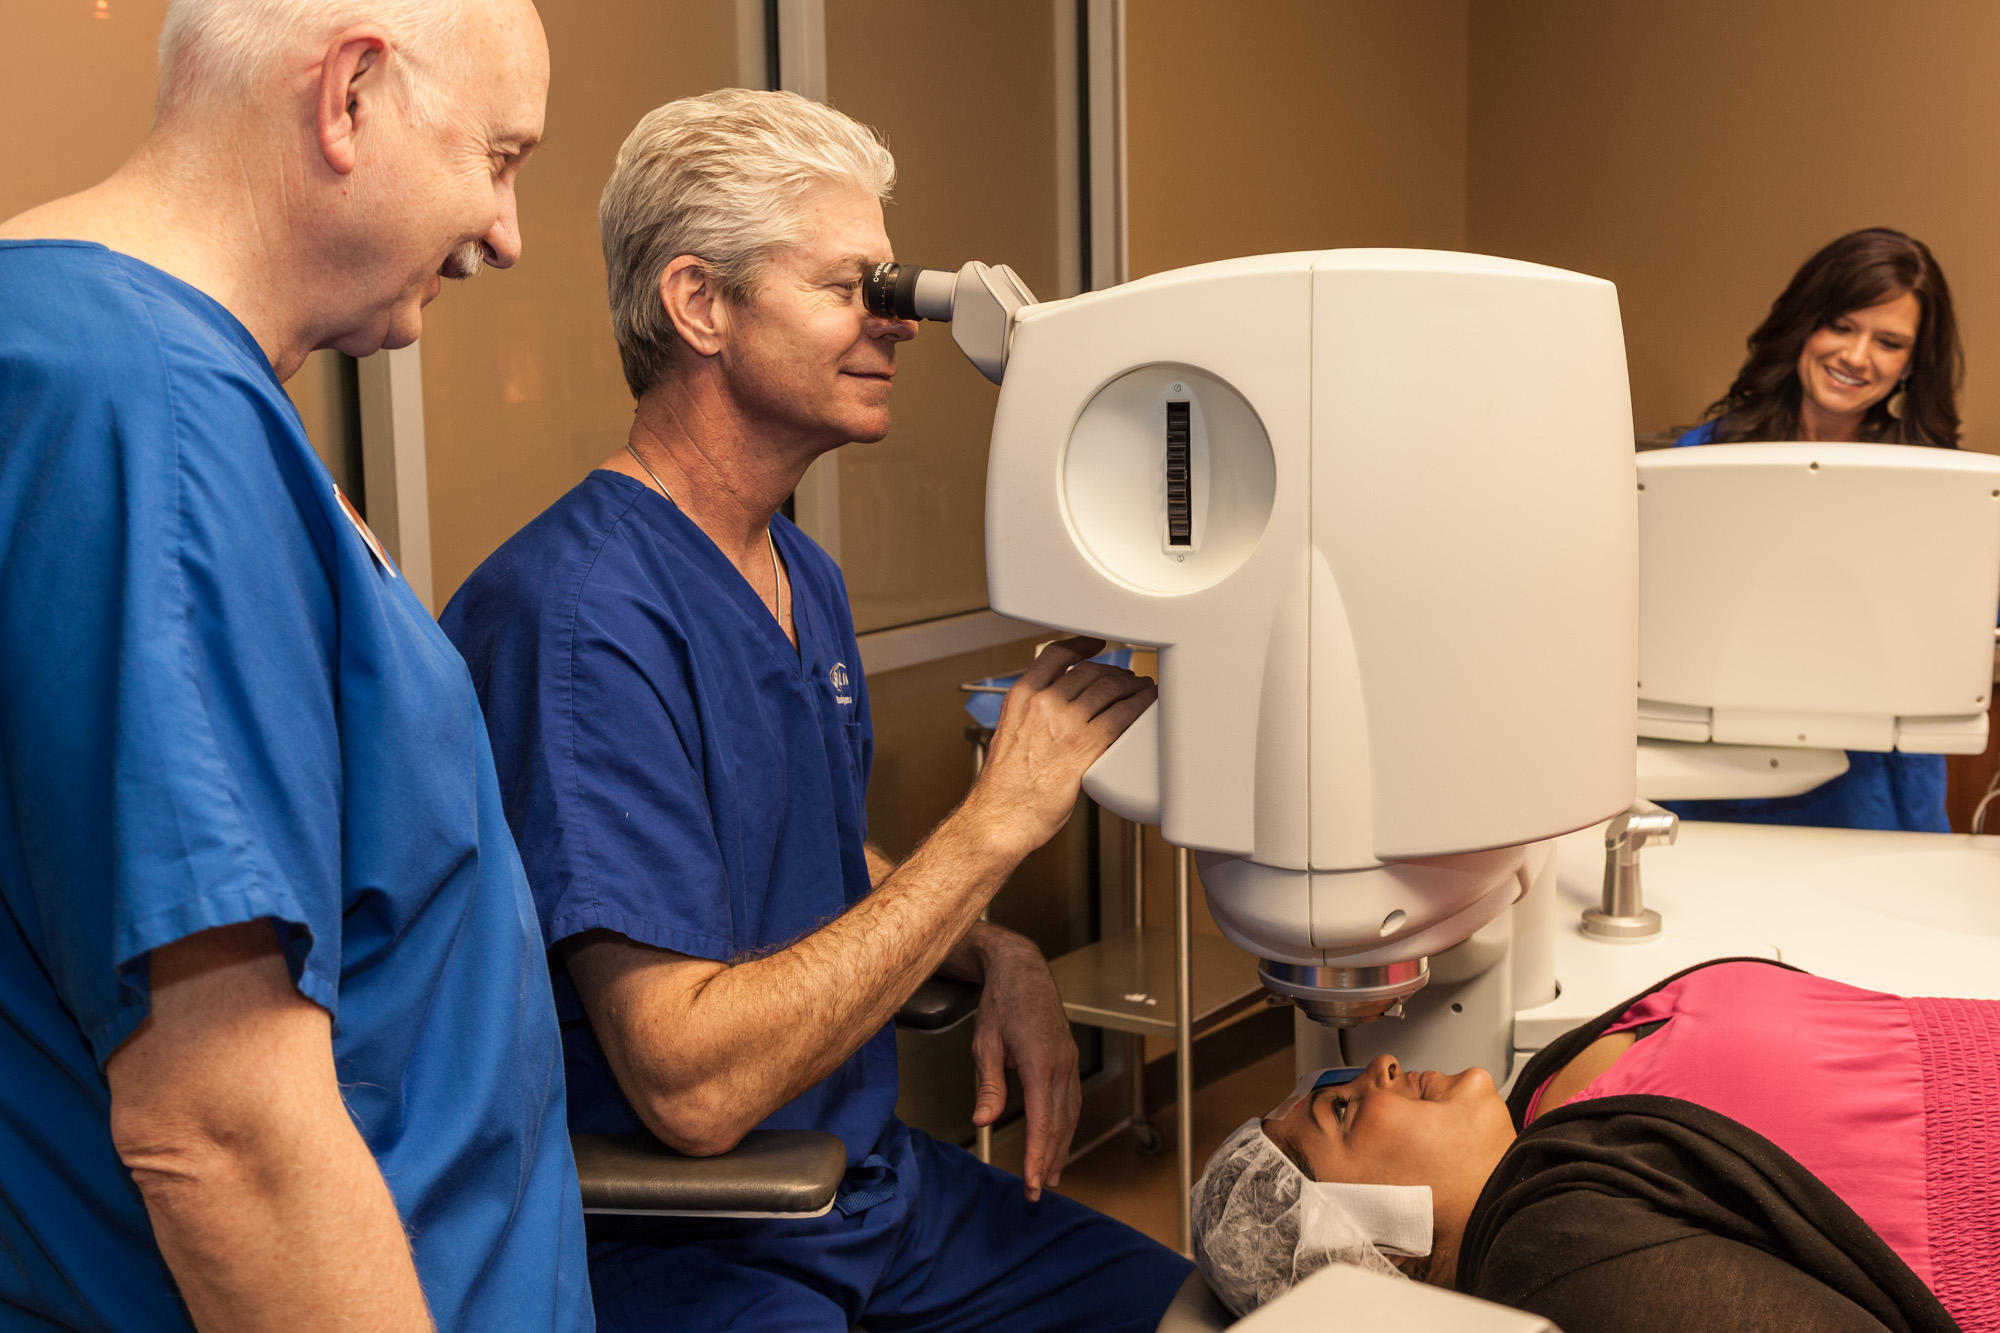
[976,949]
[265,1201]
[704,1050]
[287,1236]
[755,1035]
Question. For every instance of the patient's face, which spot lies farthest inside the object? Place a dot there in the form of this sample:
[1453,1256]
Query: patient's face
[1395,1127]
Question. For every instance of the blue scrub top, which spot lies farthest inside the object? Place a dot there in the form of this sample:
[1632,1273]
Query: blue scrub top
[1893,791]
[673,770]
[216,705]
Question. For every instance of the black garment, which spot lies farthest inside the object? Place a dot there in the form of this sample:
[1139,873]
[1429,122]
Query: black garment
[1645,1214]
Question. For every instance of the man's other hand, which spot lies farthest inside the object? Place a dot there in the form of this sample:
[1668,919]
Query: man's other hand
[1020,1026]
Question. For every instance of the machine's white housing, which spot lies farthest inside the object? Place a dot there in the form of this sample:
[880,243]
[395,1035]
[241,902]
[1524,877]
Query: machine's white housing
[1402,635]
[1806,599]
[1341,1296]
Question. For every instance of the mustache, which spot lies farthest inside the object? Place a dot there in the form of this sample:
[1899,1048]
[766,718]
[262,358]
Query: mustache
[465,261]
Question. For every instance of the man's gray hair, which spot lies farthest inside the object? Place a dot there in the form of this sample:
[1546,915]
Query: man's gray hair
[226,47]
[720,177]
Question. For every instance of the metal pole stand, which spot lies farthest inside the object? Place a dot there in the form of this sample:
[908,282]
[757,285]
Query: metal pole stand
[1623,915]
[1143,1132]
[982,1145]
[1184,1039]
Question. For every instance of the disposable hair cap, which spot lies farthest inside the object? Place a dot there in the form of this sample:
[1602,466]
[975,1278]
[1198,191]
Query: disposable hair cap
[1261,1226]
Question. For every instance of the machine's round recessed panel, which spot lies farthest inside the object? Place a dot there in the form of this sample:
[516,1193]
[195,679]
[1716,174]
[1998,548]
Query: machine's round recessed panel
[1168,479]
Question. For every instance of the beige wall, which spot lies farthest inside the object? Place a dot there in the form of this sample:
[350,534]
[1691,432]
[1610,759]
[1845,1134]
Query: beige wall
[1278,125]
[1696,153]
[79,94]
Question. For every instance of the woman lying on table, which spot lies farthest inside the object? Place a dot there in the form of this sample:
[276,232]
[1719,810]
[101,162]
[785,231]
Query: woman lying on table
[1744,1146]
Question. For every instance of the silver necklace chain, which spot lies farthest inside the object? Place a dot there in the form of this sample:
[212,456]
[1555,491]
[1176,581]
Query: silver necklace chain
[770,542]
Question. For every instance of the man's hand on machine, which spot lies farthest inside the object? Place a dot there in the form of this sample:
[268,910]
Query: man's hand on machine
[1062,714]
[1020,1026]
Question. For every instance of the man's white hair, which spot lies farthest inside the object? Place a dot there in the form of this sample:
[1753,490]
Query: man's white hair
[225,48]
[720,177]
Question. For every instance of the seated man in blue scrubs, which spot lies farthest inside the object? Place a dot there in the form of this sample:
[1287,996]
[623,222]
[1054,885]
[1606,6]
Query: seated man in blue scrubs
[677,708]
[275,1052]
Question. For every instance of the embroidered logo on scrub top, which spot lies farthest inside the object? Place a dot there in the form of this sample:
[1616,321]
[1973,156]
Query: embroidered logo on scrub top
[354,517]
[838,676]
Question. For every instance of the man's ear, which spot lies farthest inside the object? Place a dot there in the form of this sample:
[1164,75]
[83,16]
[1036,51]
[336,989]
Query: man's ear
[352,88]
[695,304]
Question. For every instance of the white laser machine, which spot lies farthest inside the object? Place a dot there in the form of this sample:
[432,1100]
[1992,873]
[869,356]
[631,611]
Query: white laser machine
[1376,510]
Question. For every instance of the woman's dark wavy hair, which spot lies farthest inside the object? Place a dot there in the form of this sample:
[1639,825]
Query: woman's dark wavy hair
[1861,269]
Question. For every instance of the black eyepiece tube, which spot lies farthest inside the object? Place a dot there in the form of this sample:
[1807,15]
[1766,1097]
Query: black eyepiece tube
[891,289]
[905,291]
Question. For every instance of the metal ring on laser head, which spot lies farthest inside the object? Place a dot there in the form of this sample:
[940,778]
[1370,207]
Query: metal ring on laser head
[1345,996]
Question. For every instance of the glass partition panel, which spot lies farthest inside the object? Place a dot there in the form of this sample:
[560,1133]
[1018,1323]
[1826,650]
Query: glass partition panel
[522,391]
[967,100]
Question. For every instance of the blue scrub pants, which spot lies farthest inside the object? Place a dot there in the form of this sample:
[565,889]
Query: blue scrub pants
[956,1248]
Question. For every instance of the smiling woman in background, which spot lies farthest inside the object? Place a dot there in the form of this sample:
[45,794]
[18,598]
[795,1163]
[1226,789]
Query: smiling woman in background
[1861,346]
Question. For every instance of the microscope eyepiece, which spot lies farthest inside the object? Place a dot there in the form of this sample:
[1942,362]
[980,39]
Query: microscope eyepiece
[905,291]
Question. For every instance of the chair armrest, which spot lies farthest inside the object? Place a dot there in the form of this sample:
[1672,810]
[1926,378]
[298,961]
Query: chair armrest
[772,1173]
[938,1004]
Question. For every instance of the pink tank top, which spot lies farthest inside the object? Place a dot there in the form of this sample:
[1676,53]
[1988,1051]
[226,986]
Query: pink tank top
[1894,1103]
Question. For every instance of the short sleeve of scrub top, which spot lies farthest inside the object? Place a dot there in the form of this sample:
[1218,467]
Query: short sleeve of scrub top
[634,793]
[180,665]
[586,681]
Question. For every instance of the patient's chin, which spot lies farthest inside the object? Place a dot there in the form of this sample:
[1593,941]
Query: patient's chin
[1421,1268]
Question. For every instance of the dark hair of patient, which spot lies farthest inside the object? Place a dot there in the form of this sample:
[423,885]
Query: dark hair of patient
[1861,269]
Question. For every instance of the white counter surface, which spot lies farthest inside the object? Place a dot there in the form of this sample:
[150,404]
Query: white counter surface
[1912,913]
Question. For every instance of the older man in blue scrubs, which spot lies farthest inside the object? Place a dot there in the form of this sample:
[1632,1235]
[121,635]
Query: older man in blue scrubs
[677,707]
[275,1049]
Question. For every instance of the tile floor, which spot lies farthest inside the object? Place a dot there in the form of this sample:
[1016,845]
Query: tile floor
[1141,1189]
